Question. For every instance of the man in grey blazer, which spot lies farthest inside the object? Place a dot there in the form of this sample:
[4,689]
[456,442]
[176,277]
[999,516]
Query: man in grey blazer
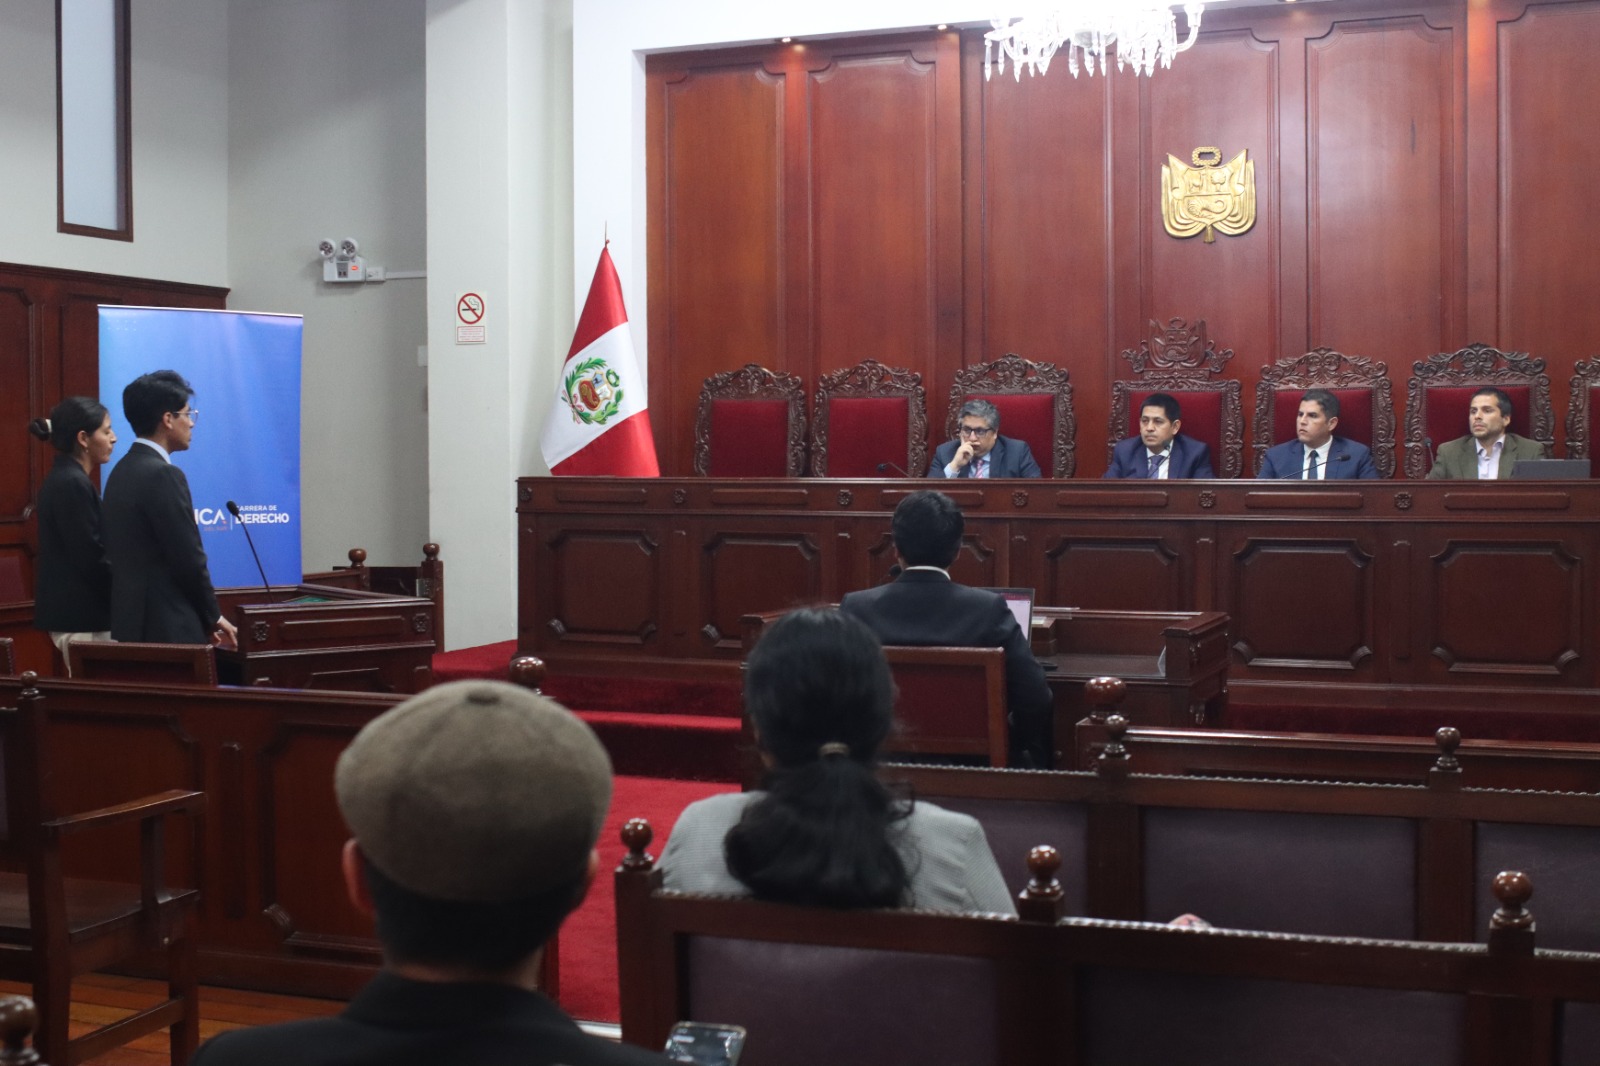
[160,583]
[1490,449]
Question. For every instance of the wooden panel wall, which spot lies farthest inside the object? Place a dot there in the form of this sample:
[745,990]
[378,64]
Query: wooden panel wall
[1421,172]
[50,349]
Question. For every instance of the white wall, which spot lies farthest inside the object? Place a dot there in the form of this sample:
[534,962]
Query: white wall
[180,144]
[499,196]
[327,140]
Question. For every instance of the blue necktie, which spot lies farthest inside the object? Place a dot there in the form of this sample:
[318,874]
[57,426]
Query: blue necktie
[1155,464]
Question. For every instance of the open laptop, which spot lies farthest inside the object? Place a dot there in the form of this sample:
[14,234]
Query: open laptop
[1551,469]
[1021,603]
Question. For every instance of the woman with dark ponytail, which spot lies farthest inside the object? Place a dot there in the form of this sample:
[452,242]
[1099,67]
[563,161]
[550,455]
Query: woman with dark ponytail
[72,590]
[825,831]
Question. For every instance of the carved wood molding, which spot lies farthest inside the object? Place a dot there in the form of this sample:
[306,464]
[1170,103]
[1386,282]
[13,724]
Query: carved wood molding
[1585,376]
[1013,375]
[1179,350]
[753,382]
[870,378]
[1327,369]
[1476,364]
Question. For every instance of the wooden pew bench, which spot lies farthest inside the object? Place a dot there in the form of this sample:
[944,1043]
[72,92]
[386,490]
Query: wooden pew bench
[1276,855]
[897,987]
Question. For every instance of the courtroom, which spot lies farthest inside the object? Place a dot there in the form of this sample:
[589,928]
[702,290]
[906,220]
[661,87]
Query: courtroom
[617,531]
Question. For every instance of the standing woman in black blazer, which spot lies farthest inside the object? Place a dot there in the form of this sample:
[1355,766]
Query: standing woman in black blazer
[72,593]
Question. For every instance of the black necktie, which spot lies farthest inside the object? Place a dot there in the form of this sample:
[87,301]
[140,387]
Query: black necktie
[1311,471]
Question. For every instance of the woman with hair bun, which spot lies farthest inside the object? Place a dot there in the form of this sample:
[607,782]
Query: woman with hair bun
[825,831]
[72,590]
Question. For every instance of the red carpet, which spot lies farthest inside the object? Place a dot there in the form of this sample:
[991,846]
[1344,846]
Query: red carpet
[589,937]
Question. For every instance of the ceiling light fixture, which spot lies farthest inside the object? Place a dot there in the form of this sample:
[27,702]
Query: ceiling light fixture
[1143,34]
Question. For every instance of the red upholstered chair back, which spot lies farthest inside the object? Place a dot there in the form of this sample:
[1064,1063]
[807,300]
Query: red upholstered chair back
[1366,404]
[1580,411]
[950,701]
[1035,405]
[751,423]
[1202,417]
[867,415]
[1442,387]
[1182,361]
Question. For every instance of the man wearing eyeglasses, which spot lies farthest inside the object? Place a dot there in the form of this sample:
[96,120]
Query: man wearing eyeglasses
[160,584]
[980,451]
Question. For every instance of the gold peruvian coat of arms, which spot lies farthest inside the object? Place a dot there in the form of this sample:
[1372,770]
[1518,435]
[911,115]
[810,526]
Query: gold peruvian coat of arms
[1210,195]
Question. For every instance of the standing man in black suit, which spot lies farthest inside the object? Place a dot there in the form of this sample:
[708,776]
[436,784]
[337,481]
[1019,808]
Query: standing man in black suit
[980,451]
[924,607]
[160,584]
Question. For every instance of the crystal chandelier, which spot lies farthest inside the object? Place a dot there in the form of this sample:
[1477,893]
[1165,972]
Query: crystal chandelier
[1144,34]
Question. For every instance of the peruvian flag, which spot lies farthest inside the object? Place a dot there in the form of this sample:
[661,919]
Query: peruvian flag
[601,422]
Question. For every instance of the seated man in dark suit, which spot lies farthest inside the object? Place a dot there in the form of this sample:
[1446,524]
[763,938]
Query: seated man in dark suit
[1490,449]
[475,808]
[1159,451]
[1316,454]
[980,451]
[924,607]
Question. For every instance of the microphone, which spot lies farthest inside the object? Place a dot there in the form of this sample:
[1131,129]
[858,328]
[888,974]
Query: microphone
[1427,442]
[1299,475]
[233,509]
[884,468]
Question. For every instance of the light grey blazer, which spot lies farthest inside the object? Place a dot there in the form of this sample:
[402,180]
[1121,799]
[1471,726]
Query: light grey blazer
[951,866]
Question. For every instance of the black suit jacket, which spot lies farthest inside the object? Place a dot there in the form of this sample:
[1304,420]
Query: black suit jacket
[72,592]
[925,608]
[398,1022]
[1009,457]
[160,584]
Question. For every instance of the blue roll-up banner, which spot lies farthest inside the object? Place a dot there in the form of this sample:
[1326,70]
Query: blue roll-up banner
[245,369]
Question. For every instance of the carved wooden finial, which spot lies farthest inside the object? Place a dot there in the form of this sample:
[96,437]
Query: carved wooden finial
[1511,929]
[1042,900]
[1104,694]
[18,1019]
[1113,759]
[430,552]
[358,557]
[528,671]
[1448,738]
[29,683]
[636,835]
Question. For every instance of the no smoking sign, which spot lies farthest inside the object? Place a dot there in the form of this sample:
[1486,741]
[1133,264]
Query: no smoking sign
[470,311]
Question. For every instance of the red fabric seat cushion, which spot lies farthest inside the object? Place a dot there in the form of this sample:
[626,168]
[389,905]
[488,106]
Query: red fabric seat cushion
[1029,417]
[1355,414]
[1202,417]
[749,438]
[864,431]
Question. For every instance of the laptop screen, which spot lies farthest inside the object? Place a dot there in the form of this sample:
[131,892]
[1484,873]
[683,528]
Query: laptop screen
[1021,603]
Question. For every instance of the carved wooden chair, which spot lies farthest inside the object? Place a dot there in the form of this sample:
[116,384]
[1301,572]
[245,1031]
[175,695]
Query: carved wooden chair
[1580,413]
[949,701]
[1183,362]
[54,928]
[1035,405]
[751,423]
[1366,402]
[868,416]
[1441,390]
[142,664]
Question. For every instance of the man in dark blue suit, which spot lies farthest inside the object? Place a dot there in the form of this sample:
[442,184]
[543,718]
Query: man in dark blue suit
[1159,452]
[980,451]
[1316,454]
[924,607]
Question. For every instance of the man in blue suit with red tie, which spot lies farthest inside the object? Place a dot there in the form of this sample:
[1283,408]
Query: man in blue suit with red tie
[1160,451]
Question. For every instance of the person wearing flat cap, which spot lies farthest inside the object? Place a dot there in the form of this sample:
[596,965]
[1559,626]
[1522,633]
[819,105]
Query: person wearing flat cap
[474,809]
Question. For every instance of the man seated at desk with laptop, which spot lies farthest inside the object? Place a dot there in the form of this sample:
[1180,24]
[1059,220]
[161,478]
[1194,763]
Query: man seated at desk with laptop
[1489,450]
[923,606]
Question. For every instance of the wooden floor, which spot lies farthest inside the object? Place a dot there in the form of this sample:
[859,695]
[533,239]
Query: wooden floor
[101,998]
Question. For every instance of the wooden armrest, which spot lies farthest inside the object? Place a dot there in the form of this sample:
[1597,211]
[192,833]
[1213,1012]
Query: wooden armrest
[172,801]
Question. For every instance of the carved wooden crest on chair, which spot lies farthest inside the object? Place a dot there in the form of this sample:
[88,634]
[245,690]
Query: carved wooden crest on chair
[1184,361]
[751,423]
[1441,389]
[867,415]
[1035,405]
[1366,402]
[1580,413]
